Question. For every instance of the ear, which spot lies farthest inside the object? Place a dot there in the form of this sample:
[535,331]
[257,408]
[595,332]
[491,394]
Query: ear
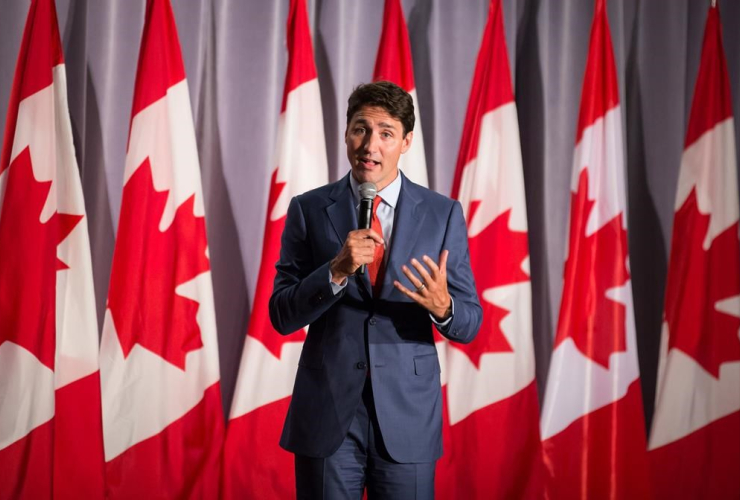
[407,142]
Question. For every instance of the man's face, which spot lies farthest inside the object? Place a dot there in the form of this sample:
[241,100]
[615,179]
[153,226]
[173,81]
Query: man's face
[375,142]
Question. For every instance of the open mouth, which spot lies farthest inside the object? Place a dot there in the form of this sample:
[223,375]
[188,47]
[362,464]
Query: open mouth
[368,162]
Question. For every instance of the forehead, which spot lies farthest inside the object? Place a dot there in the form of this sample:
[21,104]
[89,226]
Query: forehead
[374,115]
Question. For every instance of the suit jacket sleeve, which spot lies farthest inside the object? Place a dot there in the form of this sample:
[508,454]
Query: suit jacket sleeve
[301,291]
[468,314]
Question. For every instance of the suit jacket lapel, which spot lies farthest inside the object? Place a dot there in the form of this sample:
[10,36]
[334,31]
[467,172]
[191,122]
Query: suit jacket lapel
[408,221]
[343,217]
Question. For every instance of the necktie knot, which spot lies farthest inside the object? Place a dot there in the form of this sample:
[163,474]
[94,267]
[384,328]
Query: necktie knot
[376,204]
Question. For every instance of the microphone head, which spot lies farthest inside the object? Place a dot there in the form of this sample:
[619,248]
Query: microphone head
[368,191]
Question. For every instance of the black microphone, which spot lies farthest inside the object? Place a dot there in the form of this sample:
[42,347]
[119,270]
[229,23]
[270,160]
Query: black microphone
[367,195]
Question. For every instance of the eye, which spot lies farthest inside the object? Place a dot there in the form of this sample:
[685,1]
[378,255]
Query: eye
[386,135]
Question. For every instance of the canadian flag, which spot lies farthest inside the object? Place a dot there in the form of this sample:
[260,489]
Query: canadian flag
[695,438]
[491,420]
[162,416]
[393,63]
[592,425]
[51,440]
[269,360]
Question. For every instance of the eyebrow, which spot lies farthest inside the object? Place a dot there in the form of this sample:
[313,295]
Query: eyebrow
[381,124]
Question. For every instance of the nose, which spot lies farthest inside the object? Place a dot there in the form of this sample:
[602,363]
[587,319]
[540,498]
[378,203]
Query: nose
[372,141]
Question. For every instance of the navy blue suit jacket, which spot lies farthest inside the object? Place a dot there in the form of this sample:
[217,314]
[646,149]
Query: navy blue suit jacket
[352,330]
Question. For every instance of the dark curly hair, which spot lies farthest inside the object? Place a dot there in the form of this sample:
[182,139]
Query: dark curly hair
[389,96]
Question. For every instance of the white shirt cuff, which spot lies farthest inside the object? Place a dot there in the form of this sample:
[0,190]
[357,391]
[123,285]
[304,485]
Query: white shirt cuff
[446,322]
[334,287]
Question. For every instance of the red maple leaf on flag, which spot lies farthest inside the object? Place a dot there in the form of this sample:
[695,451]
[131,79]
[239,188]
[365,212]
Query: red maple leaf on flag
[149,264]
[697,280]
[29,261]
[496,256]
[260,327]
[596,264]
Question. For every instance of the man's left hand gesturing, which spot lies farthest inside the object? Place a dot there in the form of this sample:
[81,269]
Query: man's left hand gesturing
[431,290]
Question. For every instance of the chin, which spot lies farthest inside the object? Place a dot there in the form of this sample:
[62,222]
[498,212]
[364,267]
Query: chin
[365,176]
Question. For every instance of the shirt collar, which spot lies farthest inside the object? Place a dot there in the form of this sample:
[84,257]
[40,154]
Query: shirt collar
[390,193]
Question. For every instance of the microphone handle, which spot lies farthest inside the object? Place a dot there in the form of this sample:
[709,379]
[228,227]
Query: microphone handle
[365,220]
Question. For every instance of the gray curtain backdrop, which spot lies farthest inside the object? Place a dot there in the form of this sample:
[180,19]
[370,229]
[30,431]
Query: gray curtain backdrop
[235,58]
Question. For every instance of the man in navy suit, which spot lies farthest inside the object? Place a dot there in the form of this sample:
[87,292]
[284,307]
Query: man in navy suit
[367,405]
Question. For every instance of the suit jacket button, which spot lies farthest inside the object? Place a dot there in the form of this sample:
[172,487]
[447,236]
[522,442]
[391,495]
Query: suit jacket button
[361,365]
[373,321]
